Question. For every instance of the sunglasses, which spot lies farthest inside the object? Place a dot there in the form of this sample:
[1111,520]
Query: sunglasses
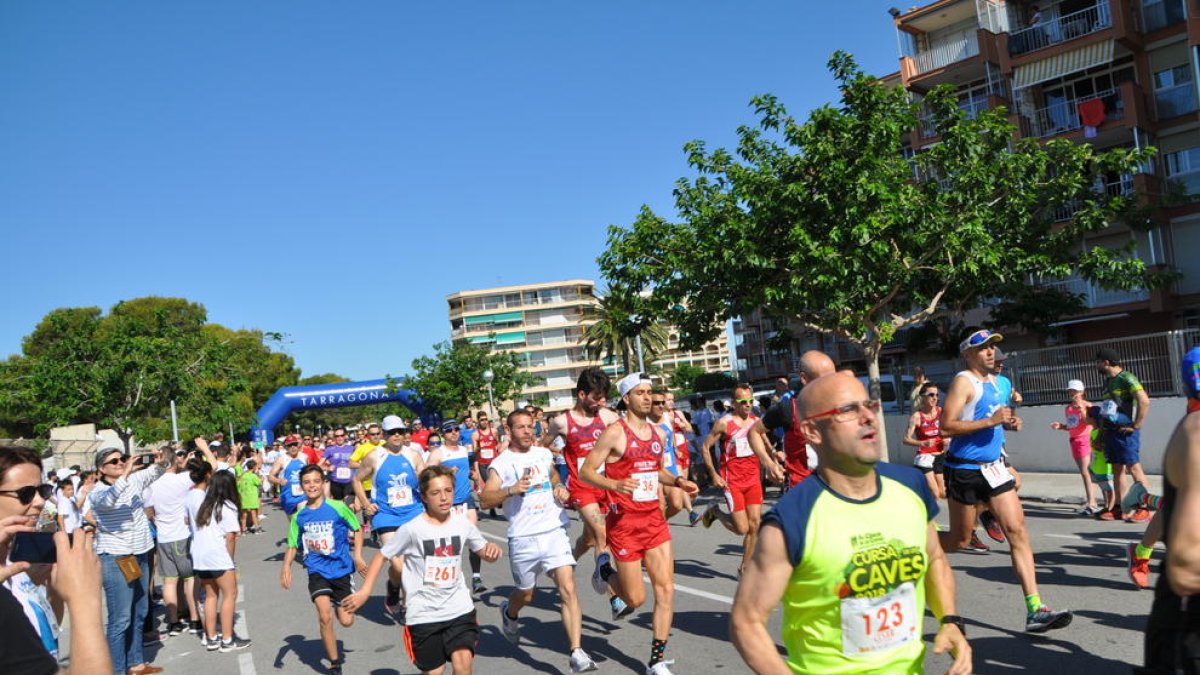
[658,402]
[931,394]
[339,435]
[25,494]
[374,433]
[435,444]
[976,339]
[117,460]
[743,400]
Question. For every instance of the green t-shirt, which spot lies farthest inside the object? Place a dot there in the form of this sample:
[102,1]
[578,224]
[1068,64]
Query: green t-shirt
[1123,388]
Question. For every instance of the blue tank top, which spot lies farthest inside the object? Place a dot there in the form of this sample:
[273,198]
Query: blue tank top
[670,462]
[982,446]
[459,459]
[292,494]
[395,492]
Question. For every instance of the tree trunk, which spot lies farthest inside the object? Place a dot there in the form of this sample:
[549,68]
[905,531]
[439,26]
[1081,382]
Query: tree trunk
[871,351]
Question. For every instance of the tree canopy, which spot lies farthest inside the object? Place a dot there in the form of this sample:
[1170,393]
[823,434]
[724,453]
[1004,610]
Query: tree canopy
[616,332]
[451,380]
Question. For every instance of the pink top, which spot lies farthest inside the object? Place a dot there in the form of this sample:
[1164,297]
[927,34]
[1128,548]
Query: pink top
[1077,422]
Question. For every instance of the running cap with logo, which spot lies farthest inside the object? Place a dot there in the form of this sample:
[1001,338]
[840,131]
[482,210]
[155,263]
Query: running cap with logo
[978,339]
[631,382]
[1108,354]
[292,439]
[448,426]
[393,422]
[1075,385]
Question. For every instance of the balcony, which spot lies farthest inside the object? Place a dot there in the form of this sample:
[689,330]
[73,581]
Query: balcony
[1175,101]
[1062,29]
[971,106]
[1063,116]
[1162,14]
[946,53]
[1122,187]
[1094,296]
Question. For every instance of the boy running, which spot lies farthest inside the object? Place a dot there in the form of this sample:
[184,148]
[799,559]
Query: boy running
[323,528]
[461,462]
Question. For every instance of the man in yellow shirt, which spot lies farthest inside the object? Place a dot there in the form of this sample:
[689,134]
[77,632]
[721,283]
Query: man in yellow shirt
[374,439]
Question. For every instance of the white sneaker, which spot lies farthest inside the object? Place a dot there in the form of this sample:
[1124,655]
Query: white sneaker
[510,627]
[581,662]
[598,583]
[660,668]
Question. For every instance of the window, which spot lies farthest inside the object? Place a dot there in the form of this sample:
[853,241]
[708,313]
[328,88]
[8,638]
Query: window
[1173,92]
[1183,168]
[1161,13]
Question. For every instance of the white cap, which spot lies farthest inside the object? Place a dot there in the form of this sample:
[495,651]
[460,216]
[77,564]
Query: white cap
[392,422]
[63,474]
[630,382]
[1075,385]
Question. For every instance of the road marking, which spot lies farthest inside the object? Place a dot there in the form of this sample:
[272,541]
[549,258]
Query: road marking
[241,594]
[679,587]
[1118,542]
[246,664]
[242,630]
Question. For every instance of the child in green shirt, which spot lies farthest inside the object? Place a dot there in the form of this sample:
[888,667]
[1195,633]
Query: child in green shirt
[248,484]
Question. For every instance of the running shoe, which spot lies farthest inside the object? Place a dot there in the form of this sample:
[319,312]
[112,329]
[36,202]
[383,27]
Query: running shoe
[1139,515]
[992,526]
[710,514]
[598,583]
[1088,511]
[976,545]
[176,628]
[1109,514]
[233,644]
[212,644]
[581,662]
[194,628]
[335,669]
[620,610]
[510,627]
[477,586]
[1139,568]
[1045,619]
[693,517]
[660,668]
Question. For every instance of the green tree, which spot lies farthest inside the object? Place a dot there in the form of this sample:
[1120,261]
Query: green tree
[714,382]
[451,380]
[683,378]
[826,220]
[615,334]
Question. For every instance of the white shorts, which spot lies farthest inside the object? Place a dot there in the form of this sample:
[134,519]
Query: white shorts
[537,553]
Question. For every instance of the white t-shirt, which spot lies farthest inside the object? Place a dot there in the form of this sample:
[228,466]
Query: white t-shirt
[167,495]
[268,462]
[209,552]
[433,578]
[71,516]
[536,511]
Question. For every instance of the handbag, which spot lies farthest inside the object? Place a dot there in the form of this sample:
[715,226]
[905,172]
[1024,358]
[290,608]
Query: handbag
[130,569]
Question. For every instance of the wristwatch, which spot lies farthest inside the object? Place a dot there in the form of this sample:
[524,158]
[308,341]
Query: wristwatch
[957,621]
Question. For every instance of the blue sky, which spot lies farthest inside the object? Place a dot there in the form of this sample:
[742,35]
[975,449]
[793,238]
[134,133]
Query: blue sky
[333,170]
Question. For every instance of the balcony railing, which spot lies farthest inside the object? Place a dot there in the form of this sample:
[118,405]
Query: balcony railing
[1063,116]
[1122,187]
[1173,101]
[1162,14]
[1094,296]
[946,53]
[1064,28]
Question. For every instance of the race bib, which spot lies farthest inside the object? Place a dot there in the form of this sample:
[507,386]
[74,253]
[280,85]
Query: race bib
[441,571]
[871,625]
[741,447]
[995,473]
[486,453]
[647,487]
[318,542]
[342,473]
[400,495]
[297,491]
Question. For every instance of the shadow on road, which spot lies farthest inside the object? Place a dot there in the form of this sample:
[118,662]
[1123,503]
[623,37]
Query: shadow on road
[1038,653]
[492,643]
[1052,567]
[310,651]
[701,570]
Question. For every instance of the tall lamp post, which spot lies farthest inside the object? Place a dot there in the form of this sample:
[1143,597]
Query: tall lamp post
[488,376]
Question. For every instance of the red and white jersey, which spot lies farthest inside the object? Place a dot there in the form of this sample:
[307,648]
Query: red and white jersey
[487,446]
[641,461]
[929,429]
[738,462]
[580,440]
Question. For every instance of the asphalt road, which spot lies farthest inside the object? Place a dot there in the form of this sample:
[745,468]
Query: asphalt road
[1080,566]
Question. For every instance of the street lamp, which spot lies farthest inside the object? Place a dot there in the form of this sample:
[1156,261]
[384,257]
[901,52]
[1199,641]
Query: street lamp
[488,376]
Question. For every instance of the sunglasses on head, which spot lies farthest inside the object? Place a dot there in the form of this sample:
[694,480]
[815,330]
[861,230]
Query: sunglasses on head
[25,494]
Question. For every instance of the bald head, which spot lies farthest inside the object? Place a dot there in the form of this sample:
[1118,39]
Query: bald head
[845,435]
[815,364]
[827,391]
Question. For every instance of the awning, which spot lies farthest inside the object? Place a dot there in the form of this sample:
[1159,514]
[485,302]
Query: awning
[1075,60]
[505,317]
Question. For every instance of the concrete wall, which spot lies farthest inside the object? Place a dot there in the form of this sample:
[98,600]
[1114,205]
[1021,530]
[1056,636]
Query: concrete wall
[1039,448]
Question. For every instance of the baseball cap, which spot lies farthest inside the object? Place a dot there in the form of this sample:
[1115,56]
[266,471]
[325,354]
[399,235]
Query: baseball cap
[1075,385]
[292,439]
[393,422]
[978,339]
[449,425]
[1108,354]
[630,382]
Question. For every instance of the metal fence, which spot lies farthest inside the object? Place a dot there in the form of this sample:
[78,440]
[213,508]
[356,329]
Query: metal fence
[1041,375]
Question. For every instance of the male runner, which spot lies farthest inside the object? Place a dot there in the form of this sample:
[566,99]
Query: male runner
[1123,414]
[579,428]
[486,447]
[674,499]
[393,503]
[785,415]
[924,433]
[744,454]
[461,461]
[419,434]
[852,553]
[630,451]
[337,460]
[524,481]
[972,415]
[286,475]
[1173,631]
[441,623]
[323,528]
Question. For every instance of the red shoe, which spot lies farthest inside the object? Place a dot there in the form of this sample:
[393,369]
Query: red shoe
[992,526]
[976,546]
[1139,568]
[1106,514]
[1140,516]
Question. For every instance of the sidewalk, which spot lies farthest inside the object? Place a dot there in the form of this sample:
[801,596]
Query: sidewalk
[1065,488]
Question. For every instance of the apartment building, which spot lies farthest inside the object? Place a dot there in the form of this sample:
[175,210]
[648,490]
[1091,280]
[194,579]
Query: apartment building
[1114,73]
[544,325]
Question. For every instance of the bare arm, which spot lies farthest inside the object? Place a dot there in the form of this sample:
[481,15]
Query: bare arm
[706,448]
[910,437]
[611,443]
[493,494]
[366,469]
[202,446]
[1143,408]
[1183,471]
[763,584]
[759,442]
[939,593]
[956,398]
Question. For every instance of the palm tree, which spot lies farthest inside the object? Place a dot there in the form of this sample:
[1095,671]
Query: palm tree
[615,335]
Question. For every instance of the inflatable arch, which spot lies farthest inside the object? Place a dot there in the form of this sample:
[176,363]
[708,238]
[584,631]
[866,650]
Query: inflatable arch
[338,395]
